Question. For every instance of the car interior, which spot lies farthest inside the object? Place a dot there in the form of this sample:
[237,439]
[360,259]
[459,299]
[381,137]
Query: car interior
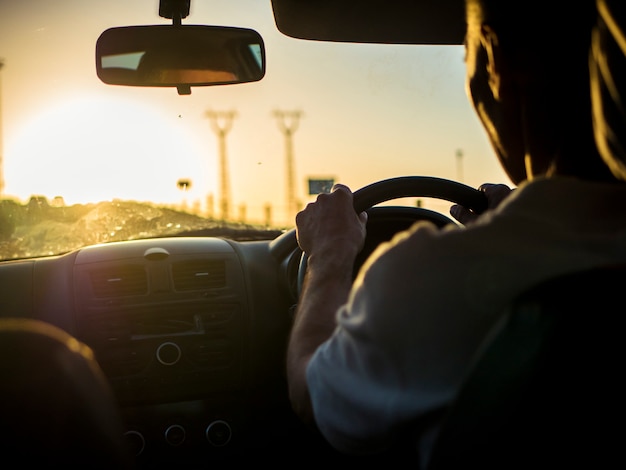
[190,330]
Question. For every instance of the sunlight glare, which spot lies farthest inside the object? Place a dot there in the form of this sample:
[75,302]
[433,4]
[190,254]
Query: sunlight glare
[98,149]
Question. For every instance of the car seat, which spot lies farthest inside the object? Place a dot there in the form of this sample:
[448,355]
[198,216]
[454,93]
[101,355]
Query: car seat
[56,406]
[546,391]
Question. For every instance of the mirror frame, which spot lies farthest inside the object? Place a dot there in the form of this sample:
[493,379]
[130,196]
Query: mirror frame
[174,53]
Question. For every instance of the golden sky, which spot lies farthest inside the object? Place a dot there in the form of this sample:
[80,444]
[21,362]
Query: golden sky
[366,113]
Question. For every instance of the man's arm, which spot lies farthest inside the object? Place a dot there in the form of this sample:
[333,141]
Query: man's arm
[331,233]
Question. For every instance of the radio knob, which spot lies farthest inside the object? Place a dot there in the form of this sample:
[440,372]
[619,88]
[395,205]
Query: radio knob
[218,433]
[135,442]
[168,353]
[175,435]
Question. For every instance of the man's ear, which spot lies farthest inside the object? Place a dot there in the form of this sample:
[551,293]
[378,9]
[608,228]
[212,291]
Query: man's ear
[489,41]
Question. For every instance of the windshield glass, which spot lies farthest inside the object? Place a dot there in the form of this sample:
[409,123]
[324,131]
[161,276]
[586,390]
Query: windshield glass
[82,162]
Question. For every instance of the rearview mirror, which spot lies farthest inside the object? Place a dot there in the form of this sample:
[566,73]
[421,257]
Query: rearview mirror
[179,56]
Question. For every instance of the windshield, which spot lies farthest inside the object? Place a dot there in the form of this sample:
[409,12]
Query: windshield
[82,162]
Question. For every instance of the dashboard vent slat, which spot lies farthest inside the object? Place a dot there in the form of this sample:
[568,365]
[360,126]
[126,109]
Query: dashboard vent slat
[119,282]
[199,274]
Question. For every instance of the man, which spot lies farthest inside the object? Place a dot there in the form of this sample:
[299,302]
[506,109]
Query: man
[608,82]
[372,361]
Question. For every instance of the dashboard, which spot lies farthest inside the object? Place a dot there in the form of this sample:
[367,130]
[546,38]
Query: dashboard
[190,332]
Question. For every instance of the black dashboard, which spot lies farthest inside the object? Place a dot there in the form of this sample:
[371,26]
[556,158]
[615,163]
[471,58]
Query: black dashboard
[190,332]
[166,318]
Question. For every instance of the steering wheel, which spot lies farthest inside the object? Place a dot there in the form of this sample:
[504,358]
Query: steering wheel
[400,217]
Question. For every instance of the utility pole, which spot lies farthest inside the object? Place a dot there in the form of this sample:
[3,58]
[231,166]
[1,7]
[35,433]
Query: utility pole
[222,123]
[1,141]
[459,165]
[288,124]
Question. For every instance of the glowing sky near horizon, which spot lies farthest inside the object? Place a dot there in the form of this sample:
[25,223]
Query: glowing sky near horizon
[367,113]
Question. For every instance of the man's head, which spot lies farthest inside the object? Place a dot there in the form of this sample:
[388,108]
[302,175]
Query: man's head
[528,79]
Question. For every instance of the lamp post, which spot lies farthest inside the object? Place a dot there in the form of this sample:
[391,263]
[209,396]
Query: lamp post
[1,142]
[459,165]
[288,124]
[221,123]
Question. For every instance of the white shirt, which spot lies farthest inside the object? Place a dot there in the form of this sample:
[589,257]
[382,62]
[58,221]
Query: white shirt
[424,301]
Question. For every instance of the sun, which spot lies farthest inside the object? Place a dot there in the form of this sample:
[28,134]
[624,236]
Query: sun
[94,148]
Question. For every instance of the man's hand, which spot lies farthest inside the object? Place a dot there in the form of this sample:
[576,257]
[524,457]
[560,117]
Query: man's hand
[330,227]
[495,193]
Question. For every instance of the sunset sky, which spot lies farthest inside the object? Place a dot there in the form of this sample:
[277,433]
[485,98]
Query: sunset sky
[367,113]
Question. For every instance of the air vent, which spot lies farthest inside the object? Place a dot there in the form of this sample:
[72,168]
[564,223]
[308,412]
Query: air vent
[119,282]
[199,274]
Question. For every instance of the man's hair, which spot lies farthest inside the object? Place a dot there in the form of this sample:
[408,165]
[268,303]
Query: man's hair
[546,26]
[607,63]
[546,43]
